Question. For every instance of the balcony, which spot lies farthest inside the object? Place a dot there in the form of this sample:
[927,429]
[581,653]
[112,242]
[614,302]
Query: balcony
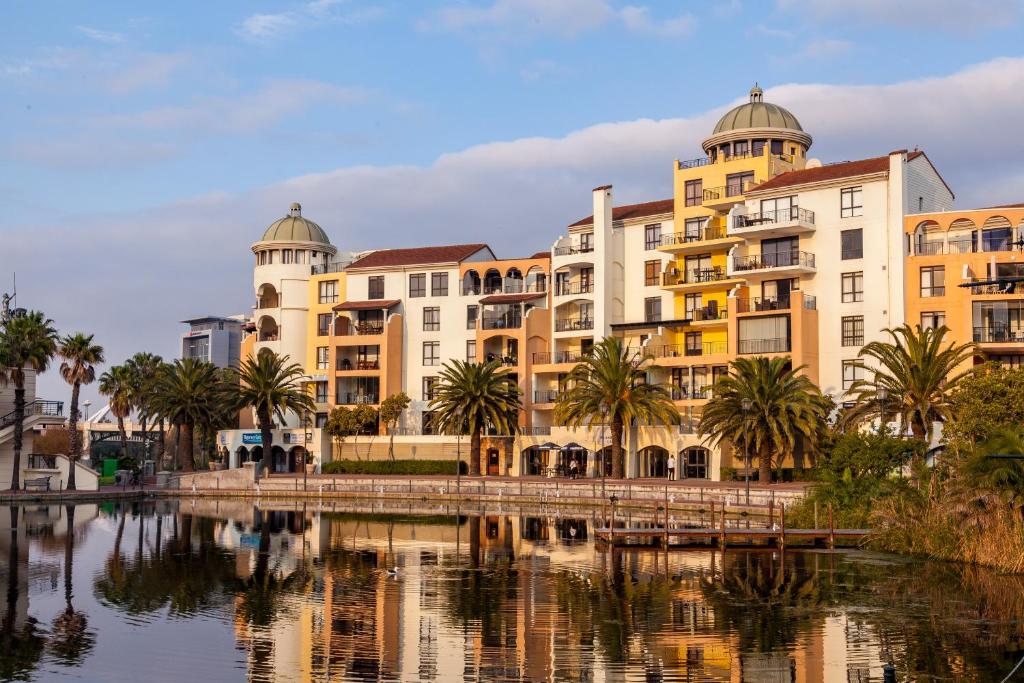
[702,349]
[773,265]
[545,395]
[346,365]
[690,393]
[697,278]
[570,249]
[990,285]
[335,267]
[762,304]
[573,288]
[501,321]
[546,358]
[708,314]
[695,163]
[762,346]
[781,223]
[355,399]
[999,334]
[726,196]
[362,329]
[33,408]
[708,237]
[573,324]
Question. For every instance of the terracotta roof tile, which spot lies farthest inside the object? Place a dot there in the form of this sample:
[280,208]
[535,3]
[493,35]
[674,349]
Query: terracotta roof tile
[371,305]
[512,298]
[415,256]
[843,169]
[628,211]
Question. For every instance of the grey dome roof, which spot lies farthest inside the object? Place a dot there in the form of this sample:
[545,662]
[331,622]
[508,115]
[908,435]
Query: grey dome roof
[757,114]
[295,228]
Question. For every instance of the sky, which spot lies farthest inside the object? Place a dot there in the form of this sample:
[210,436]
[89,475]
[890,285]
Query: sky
[145,146]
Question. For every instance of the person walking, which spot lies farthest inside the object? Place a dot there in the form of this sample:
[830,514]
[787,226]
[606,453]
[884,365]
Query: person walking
[574,468]
[671,467]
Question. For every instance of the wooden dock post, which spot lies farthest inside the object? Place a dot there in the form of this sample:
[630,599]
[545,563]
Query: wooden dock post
[666,519]
[722,542]
[771,512]
[831,529]
[782,524]
[816,515]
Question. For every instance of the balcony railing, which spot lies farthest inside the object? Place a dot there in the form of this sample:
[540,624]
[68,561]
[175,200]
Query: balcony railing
[364,328]
[545,357]
[334,267]
[545,395]
[573,249]
[352,399]
[748,346]
[998,334]
[737,189]
[756,304]
[32,408]
[569,288]
[690,393]
[708,232]
[751,220]
[930,248]
[707,314]
[703,349]
[365,364]
[694,163]
[42,461]
[782,259]
[501,322]
[697,276]
[509,285]
[570,324]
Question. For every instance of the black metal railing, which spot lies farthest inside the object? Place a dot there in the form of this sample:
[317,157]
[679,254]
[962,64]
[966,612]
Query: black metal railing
[569,288]
[735,189]
[363,328]
[545,395]
[779,345]
[702,349]
[501,322]
[694,163]
[707,313]
[705,233]
[794,213]
[781,259]
[569,324]
[33,408]
[696,276]
[756,304]
[355,398]
[686,392]
[42,461]
[573,249]
[999,334]
[546,357]
[333,267]
[364,364]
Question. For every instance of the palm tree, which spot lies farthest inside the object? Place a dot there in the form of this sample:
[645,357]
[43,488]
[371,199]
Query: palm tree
[469,397]
[782,407]
[272,387]
[915,373]
[144,368]
[27,342]
[609,386]
[188,393]
[116,385]
[80,356]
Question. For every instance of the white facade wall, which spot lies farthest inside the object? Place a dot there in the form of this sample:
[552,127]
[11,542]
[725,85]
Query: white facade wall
[633,258]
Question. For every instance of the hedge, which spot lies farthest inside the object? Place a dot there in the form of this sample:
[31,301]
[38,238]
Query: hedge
[417,467]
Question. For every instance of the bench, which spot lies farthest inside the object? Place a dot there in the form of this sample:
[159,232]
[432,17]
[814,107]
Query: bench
[38,483]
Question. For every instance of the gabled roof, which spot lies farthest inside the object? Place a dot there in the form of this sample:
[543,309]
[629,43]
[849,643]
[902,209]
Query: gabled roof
[416,256]
[629,211]
[843,169]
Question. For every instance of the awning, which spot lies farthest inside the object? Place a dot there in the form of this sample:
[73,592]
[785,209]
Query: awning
[681,322]
[549,446]
[573,446]
[372,305]
[512,298]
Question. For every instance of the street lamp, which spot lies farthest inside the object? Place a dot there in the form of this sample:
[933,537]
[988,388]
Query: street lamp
[745,405]
[882,395]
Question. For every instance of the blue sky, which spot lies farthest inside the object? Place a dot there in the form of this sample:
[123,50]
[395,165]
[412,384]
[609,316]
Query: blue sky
[147,143]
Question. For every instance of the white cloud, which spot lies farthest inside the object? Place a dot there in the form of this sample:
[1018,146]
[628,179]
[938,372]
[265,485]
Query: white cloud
[638,19]
[108,37]
[517,195]
[953,15]
[147,70]
[266,26]
[52,59]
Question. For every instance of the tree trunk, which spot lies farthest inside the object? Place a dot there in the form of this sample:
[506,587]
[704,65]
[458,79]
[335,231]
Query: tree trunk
[76,438]
[474,453]
[764,466]
[391,446]
[145,443]
[162,449]
[186,440]
[124,436]
[267,436]
[19,428]
[618,457]
[474,542]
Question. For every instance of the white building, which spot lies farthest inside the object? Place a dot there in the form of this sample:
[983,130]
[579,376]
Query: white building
[213,339]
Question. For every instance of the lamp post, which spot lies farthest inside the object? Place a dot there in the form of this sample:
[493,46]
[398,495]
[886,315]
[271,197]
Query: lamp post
[882,395]
[86,432]
[745,405]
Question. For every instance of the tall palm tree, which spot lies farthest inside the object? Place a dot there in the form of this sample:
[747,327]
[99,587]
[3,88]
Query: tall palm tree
[784,407]
[144,368]
[609,386]
[116,385]
[272,387]
[916,372]
[80,357]
[469,397]
[27,342]
[188,394]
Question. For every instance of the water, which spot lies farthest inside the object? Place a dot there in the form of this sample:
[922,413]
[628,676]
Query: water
[221,591]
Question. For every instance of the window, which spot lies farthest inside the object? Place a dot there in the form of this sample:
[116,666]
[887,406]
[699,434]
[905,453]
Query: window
[321,392]
[418,285]
[323,324]
[439,284]
[853,330]
[329,292]
[693,305]
[651,271]
[933,281]
[432,353]
[652,309]
[852,243]
[693,229]
[472,313]
[780,208]
[852,372]
[321,418]
[428,388]
[321,358]
[694,192]
[300,255]
[286,256]
[652,236]
[933,320]
[694,343]
[853,287]
[375,285]
[586,241]
[586,279]
[431,319]
[738,183]
[764,334]
[471,350]
[850,202]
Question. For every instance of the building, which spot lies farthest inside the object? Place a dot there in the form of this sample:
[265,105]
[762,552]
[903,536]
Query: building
[213,339]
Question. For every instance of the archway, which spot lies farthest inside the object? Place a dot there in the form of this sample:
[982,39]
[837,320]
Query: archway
[961,237]
[536,280]
[534,461]
[695,462]
[471,283]
[279,459]
[296,459]
[241,455]
[513,281]
[256,454]
[653,462]
[267,329]
[996,234]
[928,238]
[493,462]
[267,297]
[492,282]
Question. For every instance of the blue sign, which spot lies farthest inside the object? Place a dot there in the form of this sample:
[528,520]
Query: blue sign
[252,437]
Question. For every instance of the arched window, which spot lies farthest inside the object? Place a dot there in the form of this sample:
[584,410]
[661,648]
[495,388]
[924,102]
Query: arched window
[996,234]
[536,280]
[471,283]
[928,239]
[962,237]
[492,282]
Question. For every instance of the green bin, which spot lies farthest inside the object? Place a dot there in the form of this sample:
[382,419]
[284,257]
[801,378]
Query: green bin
[109,467]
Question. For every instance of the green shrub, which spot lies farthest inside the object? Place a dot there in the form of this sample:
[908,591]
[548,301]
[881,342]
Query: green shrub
[414,467]
[728,473]
[106,481]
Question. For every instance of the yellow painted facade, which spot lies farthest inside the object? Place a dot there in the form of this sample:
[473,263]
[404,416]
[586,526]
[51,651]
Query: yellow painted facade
[323,297]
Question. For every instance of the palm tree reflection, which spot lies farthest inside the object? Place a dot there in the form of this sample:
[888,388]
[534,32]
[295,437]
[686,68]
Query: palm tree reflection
[70,638]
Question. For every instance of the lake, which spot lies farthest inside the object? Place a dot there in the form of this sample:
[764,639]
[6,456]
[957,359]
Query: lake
[223,590]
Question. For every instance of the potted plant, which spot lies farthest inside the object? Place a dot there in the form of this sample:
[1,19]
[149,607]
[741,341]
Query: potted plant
[310,465]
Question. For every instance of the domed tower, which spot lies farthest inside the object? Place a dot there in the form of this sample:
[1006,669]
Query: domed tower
[285,256]
[751,127]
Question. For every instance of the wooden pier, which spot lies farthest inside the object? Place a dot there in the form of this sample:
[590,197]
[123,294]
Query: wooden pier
[722,537]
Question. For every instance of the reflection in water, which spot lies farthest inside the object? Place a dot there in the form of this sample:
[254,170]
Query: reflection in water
[225,590]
